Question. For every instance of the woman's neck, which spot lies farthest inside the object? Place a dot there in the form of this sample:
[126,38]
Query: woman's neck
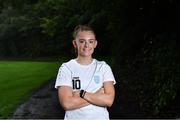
[84,60]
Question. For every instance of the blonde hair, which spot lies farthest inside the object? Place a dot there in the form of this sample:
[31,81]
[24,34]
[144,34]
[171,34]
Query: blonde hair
[81,28]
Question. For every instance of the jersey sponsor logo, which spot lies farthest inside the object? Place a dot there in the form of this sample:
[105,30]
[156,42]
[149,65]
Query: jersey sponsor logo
[76,83]
[97,79]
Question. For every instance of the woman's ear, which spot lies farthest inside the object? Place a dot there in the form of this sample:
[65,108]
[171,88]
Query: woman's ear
[74,43]
[95,44]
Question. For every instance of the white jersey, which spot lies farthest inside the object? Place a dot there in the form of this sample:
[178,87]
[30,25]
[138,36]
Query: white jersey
[89,78]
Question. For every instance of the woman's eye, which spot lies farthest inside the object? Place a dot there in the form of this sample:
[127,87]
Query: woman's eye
[81,41]
[91,41]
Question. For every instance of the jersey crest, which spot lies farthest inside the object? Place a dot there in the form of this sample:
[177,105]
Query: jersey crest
[97,79]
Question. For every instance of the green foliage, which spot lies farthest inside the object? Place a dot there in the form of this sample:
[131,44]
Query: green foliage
[48,26]
[147,63]
[167,74]
[151,78]
[49,23]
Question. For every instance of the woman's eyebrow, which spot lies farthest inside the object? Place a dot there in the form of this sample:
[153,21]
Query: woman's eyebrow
[92,39]
[87,39]
[82,39]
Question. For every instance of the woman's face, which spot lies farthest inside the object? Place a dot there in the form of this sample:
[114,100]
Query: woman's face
[85,43]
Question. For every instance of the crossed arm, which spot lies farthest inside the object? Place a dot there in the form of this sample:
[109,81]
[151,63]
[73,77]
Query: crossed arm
[71,100]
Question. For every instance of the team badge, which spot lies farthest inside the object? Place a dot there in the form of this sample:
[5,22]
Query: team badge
[96,79]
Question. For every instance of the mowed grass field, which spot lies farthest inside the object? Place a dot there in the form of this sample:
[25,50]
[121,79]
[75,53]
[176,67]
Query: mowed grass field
[19,79]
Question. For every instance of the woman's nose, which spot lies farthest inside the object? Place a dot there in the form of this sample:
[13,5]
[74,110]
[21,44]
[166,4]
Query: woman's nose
[86,44]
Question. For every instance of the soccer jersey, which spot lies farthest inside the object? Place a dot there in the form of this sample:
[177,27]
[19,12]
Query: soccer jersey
[89,78]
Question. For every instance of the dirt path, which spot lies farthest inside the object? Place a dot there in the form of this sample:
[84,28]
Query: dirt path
[43,104]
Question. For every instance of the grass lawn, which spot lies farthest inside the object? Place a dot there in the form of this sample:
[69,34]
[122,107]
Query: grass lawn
[18,79]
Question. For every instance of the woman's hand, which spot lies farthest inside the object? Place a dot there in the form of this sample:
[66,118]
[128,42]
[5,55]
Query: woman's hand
[70,99]
[76,93]
[103,97]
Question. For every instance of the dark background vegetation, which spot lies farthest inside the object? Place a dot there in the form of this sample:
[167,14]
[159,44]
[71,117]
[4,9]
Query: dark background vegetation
[139,38]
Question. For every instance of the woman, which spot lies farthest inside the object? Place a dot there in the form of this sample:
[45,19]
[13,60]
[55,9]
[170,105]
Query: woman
[85,85]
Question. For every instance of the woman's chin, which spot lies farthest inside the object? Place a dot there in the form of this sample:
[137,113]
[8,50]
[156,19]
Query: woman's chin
[86,55]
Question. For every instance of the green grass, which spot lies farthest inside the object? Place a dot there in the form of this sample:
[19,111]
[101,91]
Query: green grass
[18,79]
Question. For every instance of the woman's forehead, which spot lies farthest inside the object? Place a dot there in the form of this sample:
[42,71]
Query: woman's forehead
[85,34]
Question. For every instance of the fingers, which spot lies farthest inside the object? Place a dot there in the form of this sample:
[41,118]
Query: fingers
[76,93]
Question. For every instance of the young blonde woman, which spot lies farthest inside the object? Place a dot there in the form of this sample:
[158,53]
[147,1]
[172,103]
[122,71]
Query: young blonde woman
[85,85]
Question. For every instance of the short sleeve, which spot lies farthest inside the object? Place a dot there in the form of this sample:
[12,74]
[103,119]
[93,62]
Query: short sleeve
[63,77]
[108,74]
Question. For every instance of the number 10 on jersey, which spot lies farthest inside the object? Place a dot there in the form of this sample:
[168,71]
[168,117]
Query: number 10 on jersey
[76,83]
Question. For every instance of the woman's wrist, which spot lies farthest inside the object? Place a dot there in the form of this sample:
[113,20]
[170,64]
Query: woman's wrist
[82,93]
